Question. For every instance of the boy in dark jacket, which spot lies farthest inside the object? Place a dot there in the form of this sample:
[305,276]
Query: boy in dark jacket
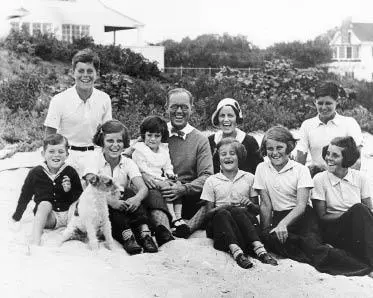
[54,187]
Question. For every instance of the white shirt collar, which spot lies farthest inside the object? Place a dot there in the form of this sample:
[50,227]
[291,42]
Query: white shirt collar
[240,135]
[239,174]
[334,180]
[290,164]
[49,174]
[336,120]
[186,130]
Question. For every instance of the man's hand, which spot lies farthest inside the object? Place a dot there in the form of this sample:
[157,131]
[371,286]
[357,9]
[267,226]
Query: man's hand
[281,232]
[173,191]
[245,201]
[150,180]
[133,204]
[66,183]
[118,205]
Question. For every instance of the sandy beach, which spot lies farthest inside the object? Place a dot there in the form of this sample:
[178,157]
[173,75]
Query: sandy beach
[182,268]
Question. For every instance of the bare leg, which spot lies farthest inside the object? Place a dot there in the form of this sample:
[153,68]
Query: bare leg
[44,218]
[170,207]
[177,207]
[160,218]
[197,220]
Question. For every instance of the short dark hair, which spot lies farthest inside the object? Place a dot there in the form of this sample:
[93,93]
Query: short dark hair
[86,56]
[238,147]
[111,126]
[350,152]
[55,139]
[327,89]
[281,134]
[179,90]
[154,124]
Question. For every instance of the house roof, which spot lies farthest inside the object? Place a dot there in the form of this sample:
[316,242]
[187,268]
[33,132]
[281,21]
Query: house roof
[364,31]
[83,11]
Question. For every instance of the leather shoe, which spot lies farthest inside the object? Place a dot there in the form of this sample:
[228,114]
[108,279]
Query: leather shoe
[266,258]
[131,246]
[148,244]
[243,261]
[163,235]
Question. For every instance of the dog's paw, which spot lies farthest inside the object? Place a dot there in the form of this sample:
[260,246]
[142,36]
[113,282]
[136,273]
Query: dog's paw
[109,245]
[93,245]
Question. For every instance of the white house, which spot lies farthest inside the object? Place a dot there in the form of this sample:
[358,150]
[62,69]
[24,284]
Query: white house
[352,48]
[69,19]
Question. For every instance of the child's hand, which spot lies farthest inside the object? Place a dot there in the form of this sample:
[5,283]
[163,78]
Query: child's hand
[66,183]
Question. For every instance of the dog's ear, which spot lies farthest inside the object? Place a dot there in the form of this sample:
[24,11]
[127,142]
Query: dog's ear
[94,180]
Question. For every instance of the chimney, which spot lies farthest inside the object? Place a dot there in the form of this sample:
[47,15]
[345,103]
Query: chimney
[346,25]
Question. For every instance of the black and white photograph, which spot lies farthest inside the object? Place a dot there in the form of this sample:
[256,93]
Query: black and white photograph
[180,149]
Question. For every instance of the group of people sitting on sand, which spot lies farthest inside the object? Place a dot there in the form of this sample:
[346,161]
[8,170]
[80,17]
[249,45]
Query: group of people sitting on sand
[252,200]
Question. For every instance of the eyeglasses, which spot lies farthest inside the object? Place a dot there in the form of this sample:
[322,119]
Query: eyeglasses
[183,107]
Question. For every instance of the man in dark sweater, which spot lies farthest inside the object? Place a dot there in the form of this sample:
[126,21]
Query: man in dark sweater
[54,186]
[192,161]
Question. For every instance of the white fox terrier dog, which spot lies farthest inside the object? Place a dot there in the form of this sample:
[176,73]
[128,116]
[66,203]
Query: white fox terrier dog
[90,214]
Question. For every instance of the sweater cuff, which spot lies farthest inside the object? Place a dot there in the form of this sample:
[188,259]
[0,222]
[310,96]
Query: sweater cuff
[16,217]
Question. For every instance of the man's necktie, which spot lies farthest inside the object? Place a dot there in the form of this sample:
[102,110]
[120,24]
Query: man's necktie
[177,132]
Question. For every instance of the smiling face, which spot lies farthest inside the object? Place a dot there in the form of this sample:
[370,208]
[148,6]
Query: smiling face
[85,75]
[334,159]
[55,156]
[326,107]
[153,140]
[228,158]
[180,109]
[227,120]
[113,146]
[276,152]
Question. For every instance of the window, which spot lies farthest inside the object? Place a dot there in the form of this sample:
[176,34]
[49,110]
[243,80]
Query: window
[70,32]
[348,52]
[335,52]
[349,37]
[76,31]
[85,31]
[355,52]
[66,34]
[36,28]
[342,52]
[349,74]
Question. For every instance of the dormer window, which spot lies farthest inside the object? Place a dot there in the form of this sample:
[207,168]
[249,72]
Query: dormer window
[349,37]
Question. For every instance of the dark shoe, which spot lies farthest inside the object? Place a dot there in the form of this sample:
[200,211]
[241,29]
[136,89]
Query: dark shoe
[243,261]
[163,235]
[131,246]
[182,231]
[148,244]
[266,258]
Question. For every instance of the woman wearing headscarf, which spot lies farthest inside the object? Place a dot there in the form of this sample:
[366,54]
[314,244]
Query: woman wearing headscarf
[227,116]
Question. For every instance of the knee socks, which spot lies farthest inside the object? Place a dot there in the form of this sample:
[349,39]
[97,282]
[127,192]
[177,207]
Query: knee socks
[259,248]
[127,234]
[235,250]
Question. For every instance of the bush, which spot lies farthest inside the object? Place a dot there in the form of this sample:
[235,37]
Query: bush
[21,92]
[22,127]
[113,58]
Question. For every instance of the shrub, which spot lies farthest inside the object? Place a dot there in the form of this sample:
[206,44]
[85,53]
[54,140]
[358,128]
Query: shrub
[113,58]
